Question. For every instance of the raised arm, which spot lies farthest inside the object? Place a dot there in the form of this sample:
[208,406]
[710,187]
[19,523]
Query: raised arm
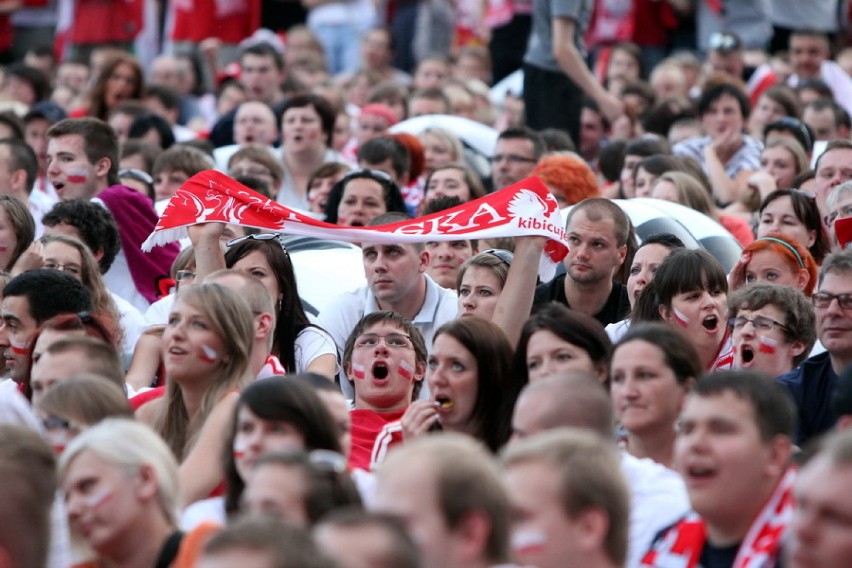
[207,242]
[572,63]
[516,301]
[201,471]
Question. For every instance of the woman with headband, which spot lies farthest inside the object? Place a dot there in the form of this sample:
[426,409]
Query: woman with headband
[778,259]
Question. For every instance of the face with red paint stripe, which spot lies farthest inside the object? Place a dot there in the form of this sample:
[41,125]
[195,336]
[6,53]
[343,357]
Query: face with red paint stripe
[543,535]
[384,368]
[18,329]
[191,348]
[762,349]
[700,315]
[104,502]
[69,169]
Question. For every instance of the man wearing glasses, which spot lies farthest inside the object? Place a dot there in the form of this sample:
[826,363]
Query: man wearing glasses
[385,360]
[812,383]
[516,154]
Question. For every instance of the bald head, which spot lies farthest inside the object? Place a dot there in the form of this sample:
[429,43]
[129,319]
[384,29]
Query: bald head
[574,399]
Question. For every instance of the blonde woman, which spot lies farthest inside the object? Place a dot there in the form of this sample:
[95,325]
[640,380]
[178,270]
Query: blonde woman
[206,348]
[120,484]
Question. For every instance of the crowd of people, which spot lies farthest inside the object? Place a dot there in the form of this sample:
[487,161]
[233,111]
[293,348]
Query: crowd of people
[644,407]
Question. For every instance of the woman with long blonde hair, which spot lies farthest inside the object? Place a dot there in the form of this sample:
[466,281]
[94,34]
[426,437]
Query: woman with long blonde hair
[206,349]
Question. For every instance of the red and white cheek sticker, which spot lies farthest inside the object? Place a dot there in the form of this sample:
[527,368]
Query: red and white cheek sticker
[528,541]
[680,317]
[208,354]
[59,439]
[406,371]
[98,498]
[358,371]
[239,449]
[19,348]
[768,345]
[77,175]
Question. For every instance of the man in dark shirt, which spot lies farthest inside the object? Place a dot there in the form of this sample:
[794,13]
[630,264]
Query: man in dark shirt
[597,239]
[813,382]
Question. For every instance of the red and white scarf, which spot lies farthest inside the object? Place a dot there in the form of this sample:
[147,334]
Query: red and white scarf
[525,208]
[681,545]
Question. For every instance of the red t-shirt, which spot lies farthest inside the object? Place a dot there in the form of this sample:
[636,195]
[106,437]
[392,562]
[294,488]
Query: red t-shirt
[106,21]
[373,433]
[229,20]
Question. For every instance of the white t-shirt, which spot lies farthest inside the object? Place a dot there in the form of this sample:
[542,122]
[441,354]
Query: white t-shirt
[658,498]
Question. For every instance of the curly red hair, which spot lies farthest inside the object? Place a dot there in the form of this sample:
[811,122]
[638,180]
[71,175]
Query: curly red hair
[568,176]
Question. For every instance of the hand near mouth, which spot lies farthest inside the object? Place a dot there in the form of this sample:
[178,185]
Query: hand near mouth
[419,418]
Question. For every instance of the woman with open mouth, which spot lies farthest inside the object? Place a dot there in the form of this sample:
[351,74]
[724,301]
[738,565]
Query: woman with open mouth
[773,328]
[471,384]
[361,196]
[689,293]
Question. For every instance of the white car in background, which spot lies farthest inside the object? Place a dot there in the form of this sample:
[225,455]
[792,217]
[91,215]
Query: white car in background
[324,269]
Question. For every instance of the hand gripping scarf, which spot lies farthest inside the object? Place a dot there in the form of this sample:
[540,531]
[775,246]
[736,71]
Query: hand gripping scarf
[525,208]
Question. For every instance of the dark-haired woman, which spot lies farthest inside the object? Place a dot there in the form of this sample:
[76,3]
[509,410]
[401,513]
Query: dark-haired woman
[471,384]
[689,293]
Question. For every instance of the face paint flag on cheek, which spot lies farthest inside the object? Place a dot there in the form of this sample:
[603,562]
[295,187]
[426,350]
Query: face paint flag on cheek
[99,498]
[406,371]
[358,371]
[528,541]
[239,450]
[19,348]
[77,175]
[680,317]
[208,354]
[768,345]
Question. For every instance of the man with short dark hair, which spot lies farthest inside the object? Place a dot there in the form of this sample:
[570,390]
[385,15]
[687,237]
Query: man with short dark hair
[386,154]
[810,57]
[733,449]
[597,231]
[29,300]
[262,73]
[82,157]
[823,118]
[516,154]
[385,361]
[396,281]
